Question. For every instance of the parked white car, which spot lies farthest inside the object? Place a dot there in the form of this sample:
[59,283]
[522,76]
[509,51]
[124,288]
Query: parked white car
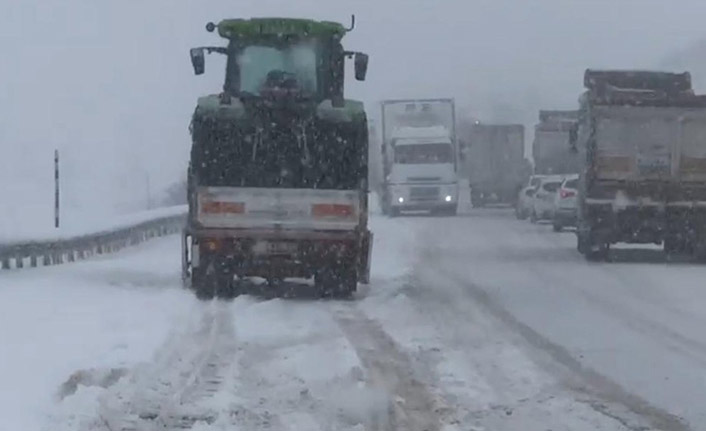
[525,197]
[543,199]
[565,204]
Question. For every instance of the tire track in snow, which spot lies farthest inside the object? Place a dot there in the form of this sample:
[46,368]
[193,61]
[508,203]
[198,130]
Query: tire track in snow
[170,393]
[672,339]
[687,346]
[411,406]
[292,371]
[590,381]
[605,395]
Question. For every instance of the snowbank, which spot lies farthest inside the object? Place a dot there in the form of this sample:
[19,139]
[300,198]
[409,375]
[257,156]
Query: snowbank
[105,313]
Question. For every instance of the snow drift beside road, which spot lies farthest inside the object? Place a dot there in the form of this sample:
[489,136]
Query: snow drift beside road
[103,313]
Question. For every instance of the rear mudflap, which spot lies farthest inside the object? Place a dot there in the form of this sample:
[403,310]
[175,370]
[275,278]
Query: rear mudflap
[185,257]
[364,262]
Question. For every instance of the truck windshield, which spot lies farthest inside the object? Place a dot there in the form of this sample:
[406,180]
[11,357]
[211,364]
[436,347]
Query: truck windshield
[423,153]
[292,67]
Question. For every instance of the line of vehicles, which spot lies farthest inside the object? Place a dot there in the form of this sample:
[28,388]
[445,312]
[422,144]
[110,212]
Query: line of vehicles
[425,156]
[628,166]
[280,168]
[639,140]
[552,198]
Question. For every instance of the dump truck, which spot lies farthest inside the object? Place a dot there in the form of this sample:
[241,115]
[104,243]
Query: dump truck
[419,151]
[550,147]
[278,175]
[494,158]
[641,141]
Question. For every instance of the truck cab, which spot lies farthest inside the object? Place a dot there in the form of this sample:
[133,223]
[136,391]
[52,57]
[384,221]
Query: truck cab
[422,175]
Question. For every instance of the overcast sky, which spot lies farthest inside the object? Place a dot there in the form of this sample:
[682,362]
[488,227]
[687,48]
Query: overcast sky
[110,84]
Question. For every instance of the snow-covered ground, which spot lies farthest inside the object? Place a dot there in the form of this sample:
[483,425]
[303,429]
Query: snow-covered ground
[477,322]
[103,313]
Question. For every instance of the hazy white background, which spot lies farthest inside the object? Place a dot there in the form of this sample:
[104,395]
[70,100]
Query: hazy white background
[109,82]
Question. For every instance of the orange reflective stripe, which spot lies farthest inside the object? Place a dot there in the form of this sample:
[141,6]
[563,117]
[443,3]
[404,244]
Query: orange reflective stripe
[331,210]
[214,207]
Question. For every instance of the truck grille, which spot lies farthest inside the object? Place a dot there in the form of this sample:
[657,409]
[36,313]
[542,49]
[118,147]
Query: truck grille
[424,193]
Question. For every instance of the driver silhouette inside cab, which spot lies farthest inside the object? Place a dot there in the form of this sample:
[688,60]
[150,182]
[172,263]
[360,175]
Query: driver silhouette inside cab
[280,81]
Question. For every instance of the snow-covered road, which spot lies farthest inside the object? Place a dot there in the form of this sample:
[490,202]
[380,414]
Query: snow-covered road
[477,322]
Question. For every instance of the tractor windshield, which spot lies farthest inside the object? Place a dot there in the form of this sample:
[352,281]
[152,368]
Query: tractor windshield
[265,68]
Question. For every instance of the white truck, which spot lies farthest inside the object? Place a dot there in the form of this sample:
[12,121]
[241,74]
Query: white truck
[419,151]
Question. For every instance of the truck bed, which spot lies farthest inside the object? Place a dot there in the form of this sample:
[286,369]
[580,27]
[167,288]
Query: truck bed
[647,144]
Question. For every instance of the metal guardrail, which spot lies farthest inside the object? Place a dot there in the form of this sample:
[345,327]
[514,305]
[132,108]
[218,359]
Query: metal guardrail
[55,252]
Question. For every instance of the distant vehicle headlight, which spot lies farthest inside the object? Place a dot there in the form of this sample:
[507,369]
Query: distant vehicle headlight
[448,198]
[400,200]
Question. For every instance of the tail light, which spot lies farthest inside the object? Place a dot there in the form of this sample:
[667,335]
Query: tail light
[563,193]
[211,244]
[332,210]
[215,207]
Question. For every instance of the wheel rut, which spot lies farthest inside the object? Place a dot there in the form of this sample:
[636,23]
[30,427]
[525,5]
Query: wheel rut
[606,396]
[409,403]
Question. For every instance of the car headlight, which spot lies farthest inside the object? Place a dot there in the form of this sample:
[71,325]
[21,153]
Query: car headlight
[448,198]
[400,199]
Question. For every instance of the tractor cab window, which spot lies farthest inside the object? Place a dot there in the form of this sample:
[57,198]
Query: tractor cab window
[290,68]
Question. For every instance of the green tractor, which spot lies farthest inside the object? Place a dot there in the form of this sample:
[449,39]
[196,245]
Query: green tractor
[278,176]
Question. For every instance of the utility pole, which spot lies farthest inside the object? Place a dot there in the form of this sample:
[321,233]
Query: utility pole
[148,190]
[56,188]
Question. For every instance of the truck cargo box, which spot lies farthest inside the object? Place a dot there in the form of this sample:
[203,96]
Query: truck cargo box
[650,143]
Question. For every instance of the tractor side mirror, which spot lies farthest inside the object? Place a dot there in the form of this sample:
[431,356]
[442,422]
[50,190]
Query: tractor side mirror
[198,60]
[360,63]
